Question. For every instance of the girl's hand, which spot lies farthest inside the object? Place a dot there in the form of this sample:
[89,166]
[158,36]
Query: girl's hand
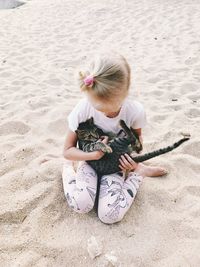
[104,139]
[126,163]
[99,154]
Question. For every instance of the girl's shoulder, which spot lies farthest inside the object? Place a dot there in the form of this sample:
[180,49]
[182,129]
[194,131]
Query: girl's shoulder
[79,113]
[135,114]
[134,106]
[81,106]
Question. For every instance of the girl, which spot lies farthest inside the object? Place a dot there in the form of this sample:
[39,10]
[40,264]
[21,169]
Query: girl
[106,85]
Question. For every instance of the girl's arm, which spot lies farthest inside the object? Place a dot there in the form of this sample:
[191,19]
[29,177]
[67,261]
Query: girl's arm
[71,152]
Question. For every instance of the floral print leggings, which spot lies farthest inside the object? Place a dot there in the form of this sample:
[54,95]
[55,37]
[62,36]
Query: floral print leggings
[115,194]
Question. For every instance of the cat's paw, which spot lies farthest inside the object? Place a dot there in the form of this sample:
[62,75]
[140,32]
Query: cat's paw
[106,149]
[103,147]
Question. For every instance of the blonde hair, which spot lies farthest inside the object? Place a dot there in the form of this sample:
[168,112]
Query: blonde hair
[111,73]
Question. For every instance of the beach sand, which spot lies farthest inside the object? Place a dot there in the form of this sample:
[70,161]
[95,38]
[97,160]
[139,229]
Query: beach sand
[41,45]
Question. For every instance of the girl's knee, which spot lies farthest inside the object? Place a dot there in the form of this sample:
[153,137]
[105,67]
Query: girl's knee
[81,203]
[110,217]
[84,209]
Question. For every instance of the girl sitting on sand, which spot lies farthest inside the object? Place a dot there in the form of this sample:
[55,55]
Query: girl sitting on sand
[106,85]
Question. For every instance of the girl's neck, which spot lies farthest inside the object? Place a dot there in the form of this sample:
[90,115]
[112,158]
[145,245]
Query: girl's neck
[113,114]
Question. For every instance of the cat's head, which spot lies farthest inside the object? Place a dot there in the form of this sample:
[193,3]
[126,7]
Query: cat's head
[88,131]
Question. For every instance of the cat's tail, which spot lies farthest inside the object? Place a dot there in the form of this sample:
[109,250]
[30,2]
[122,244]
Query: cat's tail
[159,152]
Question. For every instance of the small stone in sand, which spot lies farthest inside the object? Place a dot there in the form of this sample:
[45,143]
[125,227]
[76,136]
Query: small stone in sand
[93,248]
[111,260]
[7,4]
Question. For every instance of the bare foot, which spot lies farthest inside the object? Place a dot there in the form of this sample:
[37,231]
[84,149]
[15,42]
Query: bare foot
[150,170]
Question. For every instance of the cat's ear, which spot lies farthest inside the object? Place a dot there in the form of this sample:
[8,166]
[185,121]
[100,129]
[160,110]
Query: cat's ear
[91,120]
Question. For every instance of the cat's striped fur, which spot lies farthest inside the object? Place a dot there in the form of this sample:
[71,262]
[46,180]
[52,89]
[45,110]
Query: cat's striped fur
[126,141]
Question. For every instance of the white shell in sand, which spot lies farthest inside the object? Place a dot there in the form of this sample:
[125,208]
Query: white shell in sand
[94,249]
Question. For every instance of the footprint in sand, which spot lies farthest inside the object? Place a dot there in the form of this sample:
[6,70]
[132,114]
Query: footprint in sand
[183,229]
[23,204]
[14,127]
[54,82]
[173,107]
[157,92]
[194,97]
[5,74]
[159,118]
[36,103]
[189,87]
[193,113]
[193,190]
[154,80]
[73,40]
[191,60]
[192,148]
[58,126]
[164,199]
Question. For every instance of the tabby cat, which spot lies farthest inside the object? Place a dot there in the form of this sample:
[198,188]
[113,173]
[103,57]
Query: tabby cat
[126,141]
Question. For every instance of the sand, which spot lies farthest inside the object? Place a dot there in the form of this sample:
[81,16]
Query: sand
[41,44]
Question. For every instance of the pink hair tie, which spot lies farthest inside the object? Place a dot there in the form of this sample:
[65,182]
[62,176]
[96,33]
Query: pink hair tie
[89,80]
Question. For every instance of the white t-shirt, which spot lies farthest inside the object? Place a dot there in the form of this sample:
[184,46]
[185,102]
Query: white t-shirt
[132,112]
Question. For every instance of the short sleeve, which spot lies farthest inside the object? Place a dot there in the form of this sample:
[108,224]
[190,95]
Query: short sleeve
[75,116]
[72,120]
[140,119]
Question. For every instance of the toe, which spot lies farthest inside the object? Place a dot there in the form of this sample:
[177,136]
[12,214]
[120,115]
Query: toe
[164,172]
